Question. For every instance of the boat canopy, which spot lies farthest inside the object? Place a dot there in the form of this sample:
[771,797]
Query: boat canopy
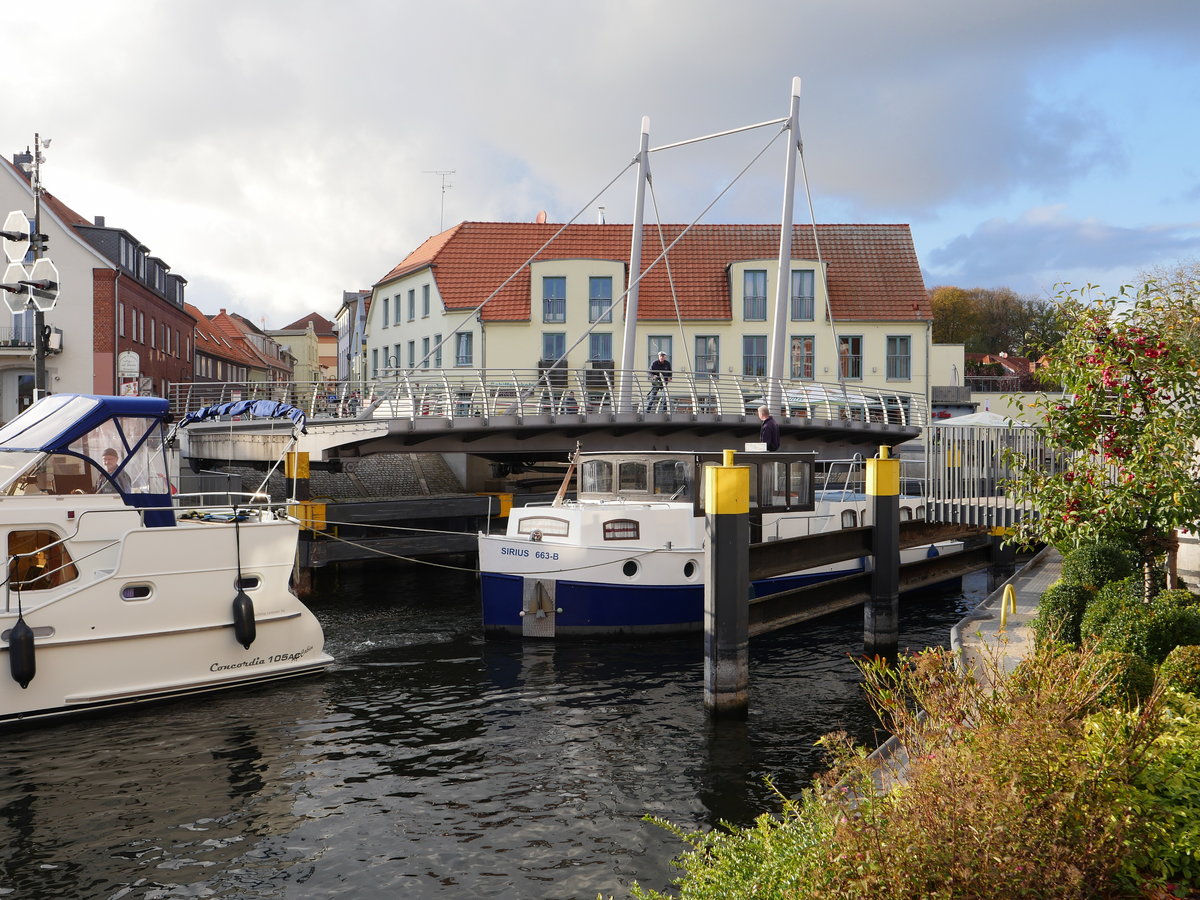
[84,444]
[266,409]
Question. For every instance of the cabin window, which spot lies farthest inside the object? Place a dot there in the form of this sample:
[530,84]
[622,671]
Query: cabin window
[549,526]
[136,592]
[849,518]
[37,561]
[632,476]
[140,470]
[672,478]
[621,530]
[905,513]
[596,477]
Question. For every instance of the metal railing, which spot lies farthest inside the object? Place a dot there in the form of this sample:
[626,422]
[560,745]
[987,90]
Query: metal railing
[484,394]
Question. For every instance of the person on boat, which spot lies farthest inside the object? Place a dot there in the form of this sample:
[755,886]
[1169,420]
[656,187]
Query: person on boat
[105,485]
[769,432]
[660,377]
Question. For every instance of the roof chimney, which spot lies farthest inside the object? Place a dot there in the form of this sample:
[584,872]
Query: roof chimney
[99,221]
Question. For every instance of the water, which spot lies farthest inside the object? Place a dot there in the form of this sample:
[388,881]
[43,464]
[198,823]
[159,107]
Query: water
[429,762]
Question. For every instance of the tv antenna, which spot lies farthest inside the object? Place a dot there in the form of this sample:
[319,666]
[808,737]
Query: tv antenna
[445,187]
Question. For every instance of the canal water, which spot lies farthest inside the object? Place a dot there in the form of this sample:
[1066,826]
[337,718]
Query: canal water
[430,762]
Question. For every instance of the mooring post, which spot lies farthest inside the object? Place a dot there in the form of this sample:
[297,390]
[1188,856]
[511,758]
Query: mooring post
[881,613]
[727,588]
[1004,558]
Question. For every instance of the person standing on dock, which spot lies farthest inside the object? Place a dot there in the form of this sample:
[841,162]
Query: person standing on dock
[660,377]
[769,432]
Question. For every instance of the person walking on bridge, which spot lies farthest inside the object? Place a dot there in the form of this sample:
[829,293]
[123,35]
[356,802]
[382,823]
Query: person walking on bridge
[769,432]
[660,377]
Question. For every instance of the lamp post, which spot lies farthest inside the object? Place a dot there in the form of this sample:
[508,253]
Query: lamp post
[38,286]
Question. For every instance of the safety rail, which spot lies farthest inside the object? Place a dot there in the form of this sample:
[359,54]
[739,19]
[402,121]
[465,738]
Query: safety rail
[590,393]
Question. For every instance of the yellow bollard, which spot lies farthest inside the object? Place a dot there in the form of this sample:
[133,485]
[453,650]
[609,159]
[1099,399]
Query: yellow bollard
[1007,600]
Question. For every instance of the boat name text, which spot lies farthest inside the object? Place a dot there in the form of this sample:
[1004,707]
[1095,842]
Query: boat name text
[260,660]
[521,551]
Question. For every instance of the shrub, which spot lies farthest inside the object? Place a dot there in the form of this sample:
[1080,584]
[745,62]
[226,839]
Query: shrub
[1107,602]
[1127,679]
[1096,565]
[1166,629]
[1180,671]
[1180,598]
[1007,792]
[1060,612]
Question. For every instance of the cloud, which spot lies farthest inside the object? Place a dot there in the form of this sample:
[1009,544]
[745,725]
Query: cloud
[1044,247]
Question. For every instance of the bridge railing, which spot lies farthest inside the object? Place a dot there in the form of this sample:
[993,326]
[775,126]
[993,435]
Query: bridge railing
[591,393]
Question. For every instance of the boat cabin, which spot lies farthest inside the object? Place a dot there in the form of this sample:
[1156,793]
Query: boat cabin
[779,482]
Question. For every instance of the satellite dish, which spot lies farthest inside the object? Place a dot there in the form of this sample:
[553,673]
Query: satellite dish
[541,217]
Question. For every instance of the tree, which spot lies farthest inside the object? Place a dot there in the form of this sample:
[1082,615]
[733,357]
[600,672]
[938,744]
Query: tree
[991,320]
[1125,431]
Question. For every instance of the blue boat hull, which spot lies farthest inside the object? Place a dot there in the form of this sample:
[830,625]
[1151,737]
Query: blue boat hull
[591,609]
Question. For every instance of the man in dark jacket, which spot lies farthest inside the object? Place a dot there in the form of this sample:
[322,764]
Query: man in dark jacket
[660,377]
[769,432]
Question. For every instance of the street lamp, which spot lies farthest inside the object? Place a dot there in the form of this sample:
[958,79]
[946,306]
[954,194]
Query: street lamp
[36,287]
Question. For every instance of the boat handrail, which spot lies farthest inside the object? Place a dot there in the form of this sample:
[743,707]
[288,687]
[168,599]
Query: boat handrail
[807,518]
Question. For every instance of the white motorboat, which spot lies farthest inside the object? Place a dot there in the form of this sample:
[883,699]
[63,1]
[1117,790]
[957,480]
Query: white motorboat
[119,591]
[626,556]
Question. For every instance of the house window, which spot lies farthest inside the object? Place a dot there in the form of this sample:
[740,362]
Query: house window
[850,356]
[600,299]
[385,312]
[374,363]
[554,298]
[394,359]
[153,332]
[554,345]
[437,351]
[899,357]
[412,354]
[424,301]
[802,295]
[425,353]
[754,295]
[802,356]
[121,317]
[463,351]
[600,346]
[412,304]
[658,343]
[708,354]
[754,355]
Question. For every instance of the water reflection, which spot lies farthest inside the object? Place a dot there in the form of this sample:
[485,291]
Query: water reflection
[427,762]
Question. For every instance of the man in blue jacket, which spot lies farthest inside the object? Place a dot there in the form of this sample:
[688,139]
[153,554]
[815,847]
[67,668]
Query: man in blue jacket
[660,377]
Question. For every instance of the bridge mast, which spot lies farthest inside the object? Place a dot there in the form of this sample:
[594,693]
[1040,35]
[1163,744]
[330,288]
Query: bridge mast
[783,280]
[629,339]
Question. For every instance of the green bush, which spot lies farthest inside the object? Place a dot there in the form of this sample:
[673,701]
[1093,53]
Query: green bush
[1166,629]
[1180,671]
[1107,602]
[1096,565]
[1009,791]
[1060,611]
[1127,679]
[1180,598]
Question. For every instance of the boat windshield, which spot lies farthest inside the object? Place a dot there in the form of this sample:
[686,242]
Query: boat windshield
[14,464]
[45,421]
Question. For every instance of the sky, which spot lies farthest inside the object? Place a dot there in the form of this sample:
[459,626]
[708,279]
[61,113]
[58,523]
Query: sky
[275,153]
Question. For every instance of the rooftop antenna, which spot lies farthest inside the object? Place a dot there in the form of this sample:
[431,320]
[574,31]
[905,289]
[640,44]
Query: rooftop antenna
[445,187]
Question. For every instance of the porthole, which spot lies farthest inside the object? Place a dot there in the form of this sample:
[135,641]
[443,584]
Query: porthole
[136,592]
[247,583]
[690,569]
[630,568]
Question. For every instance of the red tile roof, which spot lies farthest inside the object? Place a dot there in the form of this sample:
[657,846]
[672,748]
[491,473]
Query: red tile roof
[873,269]
[212,342]
[321,325]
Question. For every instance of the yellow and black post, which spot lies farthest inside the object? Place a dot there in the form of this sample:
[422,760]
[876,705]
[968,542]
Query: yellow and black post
[727,588]
[881,613]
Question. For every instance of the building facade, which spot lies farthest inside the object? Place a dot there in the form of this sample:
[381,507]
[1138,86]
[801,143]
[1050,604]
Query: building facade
[859,313]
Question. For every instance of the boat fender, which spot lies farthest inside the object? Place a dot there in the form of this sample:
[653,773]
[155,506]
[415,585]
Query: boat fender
[244,628]
[21,660]
[932,552]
